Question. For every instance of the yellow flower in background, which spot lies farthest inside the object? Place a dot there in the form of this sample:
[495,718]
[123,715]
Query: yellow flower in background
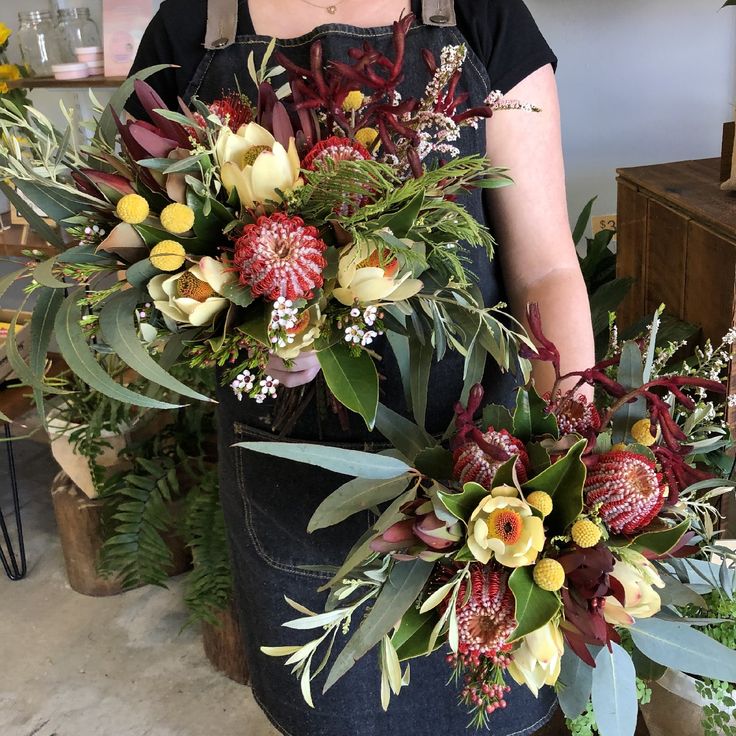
[537,661]
[8,73]
[5,34]
[353,101]
[505,529]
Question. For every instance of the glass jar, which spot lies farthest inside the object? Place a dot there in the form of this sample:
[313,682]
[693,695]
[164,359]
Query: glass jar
[39,41]
[77,30]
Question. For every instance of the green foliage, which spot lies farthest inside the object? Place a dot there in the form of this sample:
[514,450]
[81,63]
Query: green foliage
[209,584]
[534,607]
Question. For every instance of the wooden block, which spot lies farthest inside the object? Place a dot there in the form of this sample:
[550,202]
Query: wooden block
[710,281]
[631,250]
[223,646]
[666,256]
[727,150]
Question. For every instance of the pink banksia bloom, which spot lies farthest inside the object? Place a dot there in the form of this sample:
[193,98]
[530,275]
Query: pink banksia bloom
[574,414]
[627,489]
[479,459]
[335,149]
[280,256]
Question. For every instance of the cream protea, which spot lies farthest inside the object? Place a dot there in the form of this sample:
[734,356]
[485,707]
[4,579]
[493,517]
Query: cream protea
[638,577]
[335,149]
[627,490]
[538,659]
[280,256]
[505,529]
[485,620]
[479,461]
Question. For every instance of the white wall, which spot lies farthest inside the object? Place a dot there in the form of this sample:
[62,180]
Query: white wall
[641,81]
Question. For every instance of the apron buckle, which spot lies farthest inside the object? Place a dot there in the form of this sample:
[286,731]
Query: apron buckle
[438,13]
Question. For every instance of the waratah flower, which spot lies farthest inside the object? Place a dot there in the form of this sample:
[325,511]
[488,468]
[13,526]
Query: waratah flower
[369,273]
[479,460]
[505,529]
[335,149]
[280,256]
[256,165]
[574,414]
[537,661]
[639,577]
[485,620]
[193,296]
[627,490]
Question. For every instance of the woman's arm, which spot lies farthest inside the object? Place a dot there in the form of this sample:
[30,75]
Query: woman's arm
[531,223]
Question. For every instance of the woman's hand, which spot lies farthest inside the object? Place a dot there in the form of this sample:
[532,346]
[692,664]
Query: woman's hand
[304,369]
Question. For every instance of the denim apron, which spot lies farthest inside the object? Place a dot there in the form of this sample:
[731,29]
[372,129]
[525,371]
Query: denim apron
[268,502]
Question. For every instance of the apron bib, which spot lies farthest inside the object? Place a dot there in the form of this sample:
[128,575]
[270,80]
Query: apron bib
[268,501]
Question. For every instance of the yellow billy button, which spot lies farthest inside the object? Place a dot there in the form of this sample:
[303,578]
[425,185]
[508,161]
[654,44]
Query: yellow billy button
[642,433]
[619,447]
[586,533]
[177,218]
[549,574]
[132,209]
[541,501]
[168,255]
[366,137]
[353,101]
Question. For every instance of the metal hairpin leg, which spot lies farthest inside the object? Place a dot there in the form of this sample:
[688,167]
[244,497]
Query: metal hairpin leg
[7,555]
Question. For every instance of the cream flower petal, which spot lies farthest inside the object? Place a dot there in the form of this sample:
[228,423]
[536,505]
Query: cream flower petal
[170,310]
[409,288]
[205,311]
[480,533]
[294,157]
[215,273]
[371,290]
[479,553]
[186,304]
[255,135]
[168,285]
[155,288]
[344,296]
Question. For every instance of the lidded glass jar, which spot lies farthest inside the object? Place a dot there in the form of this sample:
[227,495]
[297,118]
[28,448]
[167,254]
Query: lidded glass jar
[77,30]
[40,43]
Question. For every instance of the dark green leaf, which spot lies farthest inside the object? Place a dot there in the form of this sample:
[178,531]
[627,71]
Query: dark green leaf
[44,274]
[352,380]
[405,583]
[564,481]
[661,541]
[534,607]
[402,433]
[237,294]
[402,221]
[498,417]
[435,462]
[582,224]
[411,639]
[42,327]
[531,418]
[645,668]
[463,504]
[139,274]
[35,221]
[420,364]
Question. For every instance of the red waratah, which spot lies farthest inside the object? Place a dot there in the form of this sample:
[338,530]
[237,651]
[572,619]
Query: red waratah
[479,461]
[335,149]
[485,620]
[278,256]
[628,488]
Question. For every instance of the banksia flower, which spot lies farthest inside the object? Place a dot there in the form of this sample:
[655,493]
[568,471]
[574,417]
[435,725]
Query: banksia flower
[574,414]
[485,619]
[235,108]
[541,501]
[549,574]
[478,461]
[586,533]
[628,490]
[335,149]
[280,256]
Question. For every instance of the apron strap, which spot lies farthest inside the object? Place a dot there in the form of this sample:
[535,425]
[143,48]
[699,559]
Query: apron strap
[222,23]
[438,13]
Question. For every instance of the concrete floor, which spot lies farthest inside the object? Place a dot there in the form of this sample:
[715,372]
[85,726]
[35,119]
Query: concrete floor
[71,665]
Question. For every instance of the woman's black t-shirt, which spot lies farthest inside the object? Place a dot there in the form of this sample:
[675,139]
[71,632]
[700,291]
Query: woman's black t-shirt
[502,33]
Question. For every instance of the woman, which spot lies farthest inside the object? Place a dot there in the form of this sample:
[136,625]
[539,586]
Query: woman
[267,503]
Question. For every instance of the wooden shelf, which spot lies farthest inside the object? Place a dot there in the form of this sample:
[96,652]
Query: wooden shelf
[51,83]
[12,244]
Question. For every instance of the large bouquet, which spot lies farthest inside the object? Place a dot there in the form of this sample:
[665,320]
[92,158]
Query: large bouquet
[559,543]
[297,229]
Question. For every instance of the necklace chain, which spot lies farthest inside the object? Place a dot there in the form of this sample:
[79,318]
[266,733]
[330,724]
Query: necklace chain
[331,9]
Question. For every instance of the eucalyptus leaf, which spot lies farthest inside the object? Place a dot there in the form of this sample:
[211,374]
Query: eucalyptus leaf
[420,364]
[338,460]
[630,376]
[575,682]
[613,692]
[405,583]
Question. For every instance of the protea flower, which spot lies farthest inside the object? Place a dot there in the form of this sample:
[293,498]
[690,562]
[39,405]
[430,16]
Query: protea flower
[280,256]
[479,459]
[335,149]
[628,488]
[485,620]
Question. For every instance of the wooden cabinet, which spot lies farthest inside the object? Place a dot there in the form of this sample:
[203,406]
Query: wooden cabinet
[677,239]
